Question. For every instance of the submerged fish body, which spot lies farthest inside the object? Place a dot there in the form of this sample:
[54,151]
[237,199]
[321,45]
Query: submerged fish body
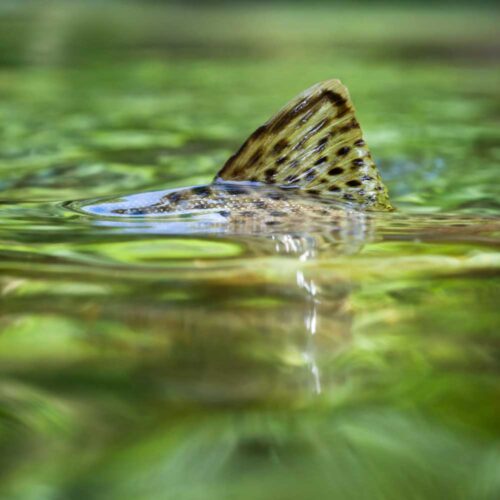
[237,204]
[297,223]
[307,170]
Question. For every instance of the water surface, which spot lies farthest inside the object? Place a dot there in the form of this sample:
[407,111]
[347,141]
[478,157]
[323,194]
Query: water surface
[146,360]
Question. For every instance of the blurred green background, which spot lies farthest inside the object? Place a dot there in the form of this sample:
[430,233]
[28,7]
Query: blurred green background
[135,364]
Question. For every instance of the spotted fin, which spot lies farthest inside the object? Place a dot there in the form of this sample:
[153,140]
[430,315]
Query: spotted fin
[315,144]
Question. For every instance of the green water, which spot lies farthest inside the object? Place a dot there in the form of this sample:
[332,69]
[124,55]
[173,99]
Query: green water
[141,365]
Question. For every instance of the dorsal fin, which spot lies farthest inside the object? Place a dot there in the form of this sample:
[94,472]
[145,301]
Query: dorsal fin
[315,144]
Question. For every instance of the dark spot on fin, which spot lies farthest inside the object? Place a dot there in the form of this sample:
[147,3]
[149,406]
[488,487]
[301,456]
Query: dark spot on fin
[321,160]
[256,156]
[336,171]
[338,99]
[353,183]
[310,175]
[279,146]
[270,173]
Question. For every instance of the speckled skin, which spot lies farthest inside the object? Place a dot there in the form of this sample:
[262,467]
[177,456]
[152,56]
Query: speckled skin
[245,207]
[314,144]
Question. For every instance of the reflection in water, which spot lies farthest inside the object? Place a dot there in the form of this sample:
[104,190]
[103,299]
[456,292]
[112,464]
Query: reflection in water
[311,322]
[305,226]
[188,362]
[345,234]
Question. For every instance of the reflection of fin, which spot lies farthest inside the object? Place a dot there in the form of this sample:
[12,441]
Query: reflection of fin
[314,143]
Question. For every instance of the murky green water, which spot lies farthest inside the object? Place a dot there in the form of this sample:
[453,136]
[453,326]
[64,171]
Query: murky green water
[136,363]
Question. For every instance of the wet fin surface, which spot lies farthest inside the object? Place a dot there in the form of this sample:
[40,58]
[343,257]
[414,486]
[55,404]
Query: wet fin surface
[314,144]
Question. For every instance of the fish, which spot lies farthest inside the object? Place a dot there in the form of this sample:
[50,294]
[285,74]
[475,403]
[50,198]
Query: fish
[306,180]
[307,170]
